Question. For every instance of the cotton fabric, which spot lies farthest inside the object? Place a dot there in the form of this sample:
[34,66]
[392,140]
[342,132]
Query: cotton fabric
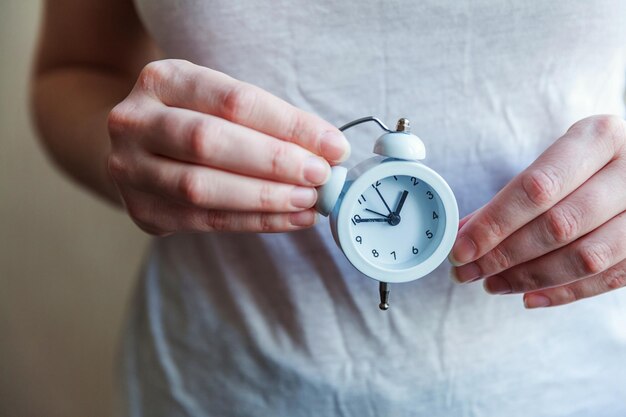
[281,324]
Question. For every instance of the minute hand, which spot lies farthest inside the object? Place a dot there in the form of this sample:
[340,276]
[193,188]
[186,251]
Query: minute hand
[401,202]
[384,202]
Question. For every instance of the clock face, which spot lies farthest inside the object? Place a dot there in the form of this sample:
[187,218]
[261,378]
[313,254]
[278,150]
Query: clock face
[396,222]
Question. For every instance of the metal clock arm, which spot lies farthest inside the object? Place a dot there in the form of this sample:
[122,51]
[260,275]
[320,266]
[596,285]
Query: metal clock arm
[364,120]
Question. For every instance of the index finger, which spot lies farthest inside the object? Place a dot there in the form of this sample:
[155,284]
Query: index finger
[562,168]
[182,84]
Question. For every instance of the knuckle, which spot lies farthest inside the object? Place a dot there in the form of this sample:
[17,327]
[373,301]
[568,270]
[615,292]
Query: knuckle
[176,64]
[168,121]
[541,186]
[279,157]
[572,293]
[614,278]
[607,125]
[266,223]
[116,167]
[607,128]
[611,130]
[497,260]
[153,74]
[204,138]
[266,199]
[527,281]
[140,213]
[563,223]
[297,129]
[144,215]
[119,120]
[237,102]
[191,188]
[218,221]
[593,258]
[494,228]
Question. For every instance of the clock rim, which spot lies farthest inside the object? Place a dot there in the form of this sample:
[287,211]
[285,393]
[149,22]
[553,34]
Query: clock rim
[387,169]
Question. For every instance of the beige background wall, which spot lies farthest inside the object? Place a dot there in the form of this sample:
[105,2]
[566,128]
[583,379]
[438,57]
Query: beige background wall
[67,261]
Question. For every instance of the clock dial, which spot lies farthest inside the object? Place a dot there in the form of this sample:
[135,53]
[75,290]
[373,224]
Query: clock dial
[397,222]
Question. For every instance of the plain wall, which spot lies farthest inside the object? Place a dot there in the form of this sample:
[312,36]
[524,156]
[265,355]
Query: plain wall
[67,260]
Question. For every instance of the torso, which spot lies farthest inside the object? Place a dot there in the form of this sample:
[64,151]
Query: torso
[282,324]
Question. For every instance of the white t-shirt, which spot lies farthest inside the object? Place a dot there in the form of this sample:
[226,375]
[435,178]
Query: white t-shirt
[281,324]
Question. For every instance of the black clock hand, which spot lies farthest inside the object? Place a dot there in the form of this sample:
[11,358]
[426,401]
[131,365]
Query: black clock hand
[381,197]
[401,203]
[370,220]
[375,212]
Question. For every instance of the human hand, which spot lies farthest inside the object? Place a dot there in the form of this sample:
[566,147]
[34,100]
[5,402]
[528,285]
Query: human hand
[193,149]
[557,231]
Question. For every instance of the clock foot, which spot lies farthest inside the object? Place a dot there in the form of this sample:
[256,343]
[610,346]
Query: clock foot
[383,289]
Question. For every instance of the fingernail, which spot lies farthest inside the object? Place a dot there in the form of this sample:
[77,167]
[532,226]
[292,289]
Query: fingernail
[466,273]
[316,170]
[302,197]
[463,251]
[303,218]
[536,300]
[334,146]
[497,285]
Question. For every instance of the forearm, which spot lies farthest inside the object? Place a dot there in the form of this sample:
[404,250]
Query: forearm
[70,108]
[89,54]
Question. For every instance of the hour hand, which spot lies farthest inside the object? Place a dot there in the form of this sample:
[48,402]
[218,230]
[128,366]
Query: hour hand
[401,202]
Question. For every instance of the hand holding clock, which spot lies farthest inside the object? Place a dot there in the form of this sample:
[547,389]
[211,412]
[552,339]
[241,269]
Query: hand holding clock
[193,149]
[556,232]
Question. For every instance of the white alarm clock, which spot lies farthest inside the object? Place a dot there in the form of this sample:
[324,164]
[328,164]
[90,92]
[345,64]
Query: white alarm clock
[394,218]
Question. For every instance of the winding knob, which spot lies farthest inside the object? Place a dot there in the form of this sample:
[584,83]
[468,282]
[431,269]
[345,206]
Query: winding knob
[403,126]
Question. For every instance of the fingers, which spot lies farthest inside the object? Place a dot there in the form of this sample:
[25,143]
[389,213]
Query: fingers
[160,217]
[465,220]
[181,84]
[599,199]
[588,256]
[193,149]
[209,188]
[208,140]
[609,280]
[583,150]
